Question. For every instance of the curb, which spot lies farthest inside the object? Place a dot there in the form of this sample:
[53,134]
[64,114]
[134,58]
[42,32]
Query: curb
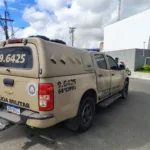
[139,77]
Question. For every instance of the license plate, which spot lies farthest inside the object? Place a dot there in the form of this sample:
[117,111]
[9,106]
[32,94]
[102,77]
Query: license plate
[13,109]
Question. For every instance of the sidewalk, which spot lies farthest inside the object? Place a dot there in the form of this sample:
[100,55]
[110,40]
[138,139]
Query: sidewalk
[139,75]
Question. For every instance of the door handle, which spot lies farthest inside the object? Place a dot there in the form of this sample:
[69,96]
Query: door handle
[100,75]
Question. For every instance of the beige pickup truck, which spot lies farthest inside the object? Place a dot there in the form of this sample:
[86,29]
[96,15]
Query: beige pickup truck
[44,82]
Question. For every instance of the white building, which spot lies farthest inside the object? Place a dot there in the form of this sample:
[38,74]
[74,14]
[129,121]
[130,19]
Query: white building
[133,32]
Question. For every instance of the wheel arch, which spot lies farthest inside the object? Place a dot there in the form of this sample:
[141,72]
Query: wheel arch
[90,92]
[73,122]
[127,79]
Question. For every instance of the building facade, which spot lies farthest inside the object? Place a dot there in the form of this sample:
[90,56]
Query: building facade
[133,58]
[129,33]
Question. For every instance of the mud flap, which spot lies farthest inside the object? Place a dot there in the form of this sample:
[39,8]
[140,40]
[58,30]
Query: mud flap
[72,124]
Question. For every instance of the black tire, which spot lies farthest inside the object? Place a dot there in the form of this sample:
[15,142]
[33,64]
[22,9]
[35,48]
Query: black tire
[86,113]
[125,90]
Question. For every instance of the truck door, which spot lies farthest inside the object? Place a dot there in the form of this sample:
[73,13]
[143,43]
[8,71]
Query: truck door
[116,75]
[103,75]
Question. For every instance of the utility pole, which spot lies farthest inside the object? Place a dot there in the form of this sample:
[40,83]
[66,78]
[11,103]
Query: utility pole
[144,48]
[4,21]
[119,10]
[148,43]
[71,31]
[144,44]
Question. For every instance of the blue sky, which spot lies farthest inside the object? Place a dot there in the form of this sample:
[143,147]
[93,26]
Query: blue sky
[16,9]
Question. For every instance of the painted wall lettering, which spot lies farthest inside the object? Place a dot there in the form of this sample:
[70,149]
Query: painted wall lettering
[66,86]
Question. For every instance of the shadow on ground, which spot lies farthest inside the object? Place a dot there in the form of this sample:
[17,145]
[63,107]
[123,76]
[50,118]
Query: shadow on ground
[124,125]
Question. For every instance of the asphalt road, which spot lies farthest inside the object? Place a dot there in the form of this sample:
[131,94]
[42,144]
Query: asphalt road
[123,126]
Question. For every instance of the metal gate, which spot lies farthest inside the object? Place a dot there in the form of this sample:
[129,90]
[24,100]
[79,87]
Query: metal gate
[147,61]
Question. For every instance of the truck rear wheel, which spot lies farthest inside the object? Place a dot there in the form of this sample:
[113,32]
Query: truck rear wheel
[86,114]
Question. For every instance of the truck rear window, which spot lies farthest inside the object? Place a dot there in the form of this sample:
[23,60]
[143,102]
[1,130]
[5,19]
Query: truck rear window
[16,57]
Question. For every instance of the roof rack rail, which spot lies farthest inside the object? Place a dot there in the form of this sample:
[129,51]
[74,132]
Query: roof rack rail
[93,49]
[58,41]
[47,39]
[40,36]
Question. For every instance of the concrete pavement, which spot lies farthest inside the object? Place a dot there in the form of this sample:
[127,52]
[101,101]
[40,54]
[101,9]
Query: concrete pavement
[123,126]
[139,75]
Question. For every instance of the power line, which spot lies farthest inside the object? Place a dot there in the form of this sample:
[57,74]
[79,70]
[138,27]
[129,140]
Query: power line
[14,31]
[7,19]
[71,31]
[4,21]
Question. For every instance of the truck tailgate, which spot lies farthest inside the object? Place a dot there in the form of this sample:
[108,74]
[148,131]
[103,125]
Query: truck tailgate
[19,77]
[19,91]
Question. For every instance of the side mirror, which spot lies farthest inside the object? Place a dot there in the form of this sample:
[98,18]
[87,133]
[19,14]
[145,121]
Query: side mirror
[122,67]
[128,71]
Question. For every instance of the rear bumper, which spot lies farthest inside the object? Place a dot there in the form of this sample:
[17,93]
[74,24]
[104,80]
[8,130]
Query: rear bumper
[45,123]
[30,118]
[33,115]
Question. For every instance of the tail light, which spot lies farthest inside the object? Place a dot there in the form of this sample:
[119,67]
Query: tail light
[46,97]
[12,41]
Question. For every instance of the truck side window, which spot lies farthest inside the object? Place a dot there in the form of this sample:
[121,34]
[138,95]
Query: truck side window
[112,63]
[101,63]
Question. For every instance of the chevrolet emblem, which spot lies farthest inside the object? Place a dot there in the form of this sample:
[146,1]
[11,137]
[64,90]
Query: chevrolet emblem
[9,92]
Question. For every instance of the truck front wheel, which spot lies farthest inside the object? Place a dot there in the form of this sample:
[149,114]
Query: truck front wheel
[125,90]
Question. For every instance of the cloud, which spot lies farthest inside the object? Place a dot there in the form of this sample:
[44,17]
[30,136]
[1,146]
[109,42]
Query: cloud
[37,19]
[53,18]
[51,4]
[131,7]
[88,20]
[1,3]
[2,36]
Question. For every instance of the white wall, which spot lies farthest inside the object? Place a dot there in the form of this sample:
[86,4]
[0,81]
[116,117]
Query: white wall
[128,33]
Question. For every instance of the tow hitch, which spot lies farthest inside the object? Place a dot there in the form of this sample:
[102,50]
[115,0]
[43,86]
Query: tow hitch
[4,124]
